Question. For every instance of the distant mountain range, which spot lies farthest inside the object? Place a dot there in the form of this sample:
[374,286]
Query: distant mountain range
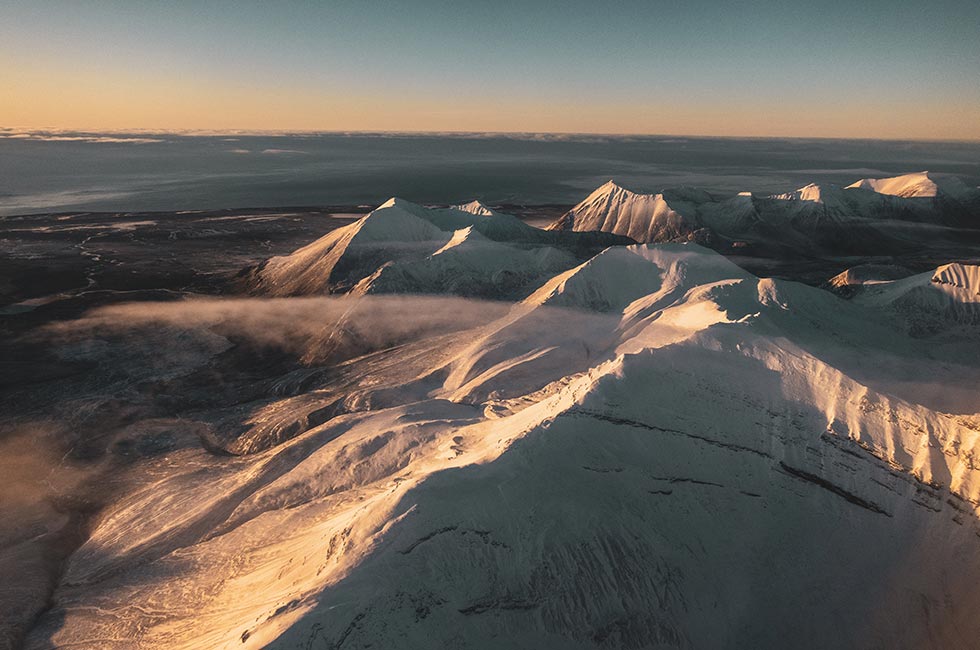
[402,247]
[475,251]
[870,215]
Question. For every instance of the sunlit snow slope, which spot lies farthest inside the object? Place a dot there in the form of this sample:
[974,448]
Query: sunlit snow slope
[652,448]
[921,184]
[405,247]
[870,216]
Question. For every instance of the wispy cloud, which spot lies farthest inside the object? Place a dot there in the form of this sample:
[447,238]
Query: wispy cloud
[296,325]
[857,171]
[43,201]
[102,139]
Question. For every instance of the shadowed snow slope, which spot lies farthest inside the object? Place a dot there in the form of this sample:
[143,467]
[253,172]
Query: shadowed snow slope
[610,280]
[471,265]
[475,207]
[491,224]
[409,236]
[346,255]
[944,300]
[868,274]
[655,449]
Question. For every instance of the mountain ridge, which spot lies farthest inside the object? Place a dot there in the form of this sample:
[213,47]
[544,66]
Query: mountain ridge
[863,215]
[560,475]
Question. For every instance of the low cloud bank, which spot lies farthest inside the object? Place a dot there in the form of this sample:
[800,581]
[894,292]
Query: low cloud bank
[292,324]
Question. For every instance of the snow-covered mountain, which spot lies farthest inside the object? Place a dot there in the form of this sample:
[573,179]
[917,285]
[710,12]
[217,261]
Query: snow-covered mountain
[870,273]
[472,265]
[641,217]
[869,215]
[652,448]
[930,303]
[420,245]
[917,185]
[476,207]
[345,256]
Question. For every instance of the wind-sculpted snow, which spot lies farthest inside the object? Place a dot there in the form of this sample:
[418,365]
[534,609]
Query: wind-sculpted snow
[651,448]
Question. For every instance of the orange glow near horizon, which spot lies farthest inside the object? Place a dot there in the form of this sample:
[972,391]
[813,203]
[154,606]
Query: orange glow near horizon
[903,71]
[113,101]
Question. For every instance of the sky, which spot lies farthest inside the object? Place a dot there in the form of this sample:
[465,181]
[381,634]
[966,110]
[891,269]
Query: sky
[878,69]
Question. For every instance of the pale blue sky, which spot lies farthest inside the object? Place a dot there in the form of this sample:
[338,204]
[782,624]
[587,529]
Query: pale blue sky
[815,68]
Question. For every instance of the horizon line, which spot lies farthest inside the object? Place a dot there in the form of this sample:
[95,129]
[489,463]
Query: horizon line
[5,130]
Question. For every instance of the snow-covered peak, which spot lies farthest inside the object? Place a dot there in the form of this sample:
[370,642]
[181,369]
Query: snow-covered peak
[461,237]
[613,192]
[494,225]
[469,264]
[397,220]
[867,216]
[693,263]
[920,184]
[642,217]
[346,255]
[609,187]
[475,207]
[868,274]
[402,204]
[962,276]
[940,302]
[608,281]
[813,193]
